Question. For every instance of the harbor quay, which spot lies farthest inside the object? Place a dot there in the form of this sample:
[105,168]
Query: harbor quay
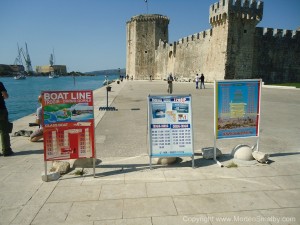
[126,191]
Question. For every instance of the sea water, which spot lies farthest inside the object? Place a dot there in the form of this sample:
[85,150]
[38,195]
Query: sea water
[23,94]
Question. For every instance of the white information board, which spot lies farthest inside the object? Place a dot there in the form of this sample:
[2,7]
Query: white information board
[170,126]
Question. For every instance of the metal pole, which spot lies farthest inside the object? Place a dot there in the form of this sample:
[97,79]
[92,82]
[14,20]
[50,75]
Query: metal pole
[107,97]
[46,171]
[94,165]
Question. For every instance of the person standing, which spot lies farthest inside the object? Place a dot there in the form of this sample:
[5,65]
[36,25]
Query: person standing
[4,123]
[197,81]
[38,134]
[170,83]
[202,81]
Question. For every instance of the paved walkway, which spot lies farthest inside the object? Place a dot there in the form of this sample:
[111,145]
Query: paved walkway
[125,191]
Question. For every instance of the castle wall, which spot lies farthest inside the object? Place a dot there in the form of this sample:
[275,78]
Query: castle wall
[203,52]
[277,55]
[234,47]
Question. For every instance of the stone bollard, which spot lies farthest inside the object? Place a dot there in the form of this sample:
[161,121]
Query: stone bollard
[242,152]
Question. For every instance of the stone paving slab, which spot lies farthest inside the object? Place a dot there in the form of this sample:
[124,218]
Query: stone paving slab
[222,202]
[123,191]
[96,210]
[147,207]
[286,216]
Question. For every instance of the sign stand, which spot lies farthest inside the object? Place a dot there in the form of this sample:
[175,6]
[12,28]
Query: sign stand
[46,175]
[69,130]
[170,130]
[237,110]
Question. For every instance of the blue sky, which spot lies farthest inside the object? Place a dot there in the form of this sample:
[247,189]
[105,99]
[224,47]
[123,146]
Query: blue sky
[89,35]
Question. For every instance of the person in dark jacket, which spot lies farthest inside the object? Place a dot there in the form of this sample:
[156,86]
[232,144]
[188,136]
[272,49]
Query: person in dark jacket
[202,81]
[4,123]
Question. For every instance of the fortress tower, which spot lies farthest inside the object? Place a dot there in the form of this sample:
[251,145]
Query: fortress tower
[143,35]
[233,48]
[241,18]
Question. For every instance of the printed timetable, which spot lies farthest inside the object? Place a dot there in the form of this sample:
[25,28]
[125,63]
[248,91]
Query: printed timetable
[170,125]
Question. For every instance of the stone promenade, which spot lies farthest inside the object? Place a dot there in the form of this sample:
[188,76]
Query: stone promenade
[126,192]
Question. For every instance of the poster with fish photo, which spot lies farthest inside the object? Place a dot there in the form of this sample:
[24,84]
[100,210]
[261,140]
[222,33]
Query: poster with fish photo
[68,125]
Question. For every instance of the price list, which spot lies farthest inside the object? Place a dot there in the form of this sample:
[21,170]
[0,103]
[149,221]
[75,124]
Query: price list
[173,139]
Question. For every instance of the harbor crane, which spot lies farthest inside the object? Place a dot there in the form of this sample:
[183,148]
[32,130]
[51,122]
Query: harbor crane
[19,61]
[27,59]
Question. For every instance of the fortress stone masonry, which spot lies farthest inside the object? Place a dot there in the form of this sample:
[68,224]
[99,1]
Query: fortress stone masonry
[234,47]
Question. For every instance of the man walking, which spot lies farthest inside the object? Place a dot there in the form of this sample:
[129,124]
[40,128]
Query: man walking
[4,123]
[170,83]
[202,81]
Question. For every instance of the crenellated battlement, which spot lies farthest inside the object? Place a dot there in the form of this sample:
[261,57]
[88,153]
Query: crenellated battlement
[223,10]
[195,37]
[277,33]
[149,17]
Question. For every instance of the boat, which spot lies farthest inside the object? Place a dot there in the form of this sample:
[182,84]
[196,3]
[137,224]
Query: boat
[107,82]
[20,76]
[53,75]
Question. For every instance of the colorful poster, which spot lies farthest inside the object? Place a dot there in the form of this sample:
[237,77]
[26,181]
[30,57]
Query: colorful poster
[170,125]
[68,125]
[237,108]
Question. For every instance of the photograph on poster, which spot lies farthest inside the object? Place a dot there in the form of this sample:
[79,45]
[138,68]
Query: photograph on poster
[159,110]
[180,107]
[238,109]
[67,112]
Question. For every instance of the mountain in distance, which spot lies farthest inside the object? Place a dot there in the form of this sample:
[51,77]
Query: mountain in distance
[108,72]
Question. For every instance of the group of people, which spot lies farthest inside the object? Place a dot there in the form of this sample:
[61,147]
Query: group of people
[5,127]
[201,78]
[170,80]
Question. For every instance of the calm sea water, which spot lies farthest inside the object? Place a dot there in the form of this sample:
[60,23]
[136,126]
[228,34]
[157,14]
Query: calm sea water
[23,94]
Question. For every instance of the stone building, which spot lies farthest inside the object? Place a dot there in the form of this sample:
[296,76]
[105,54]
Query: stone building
[234,47]
[59,69]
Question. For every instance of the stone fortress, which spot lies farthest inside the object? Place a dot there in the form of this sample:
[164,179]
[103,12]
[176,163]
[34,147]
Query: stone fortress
[234,48]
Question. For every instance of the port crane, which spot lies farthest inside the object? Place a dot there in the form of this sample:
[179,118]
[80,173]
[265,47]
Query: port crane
[19,61]
[27,59]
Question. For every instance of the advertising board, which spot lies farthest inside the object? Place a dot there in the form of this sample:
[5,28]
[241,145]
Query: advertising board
[170,126]
[237,108]
[68,125]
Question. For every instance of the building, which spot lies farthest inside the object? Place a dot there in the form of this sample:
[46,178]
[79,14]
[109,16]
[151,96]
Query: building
[234,47]
[59,69]
[8,70]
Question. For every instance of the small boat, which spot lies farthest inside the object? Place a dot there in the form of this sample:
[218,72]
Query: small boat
[20,76]
[53,75]
[107,82]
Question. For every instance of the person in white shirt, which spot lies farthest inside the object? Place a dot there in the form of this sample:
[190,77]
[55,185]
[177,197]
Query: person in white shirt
[197,78]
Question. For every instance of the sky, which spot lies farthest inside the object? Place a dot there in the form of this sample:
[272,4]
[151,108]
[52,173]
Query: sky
[90,35]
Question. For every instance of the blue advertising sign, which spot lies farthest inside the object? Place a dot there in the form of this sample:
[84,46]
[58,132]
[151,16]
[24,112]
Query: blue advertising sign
[170,126]
[237,108]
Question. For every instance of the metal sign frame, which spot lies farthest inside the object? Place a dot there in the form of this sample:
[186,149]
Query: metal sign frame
[170,126]
[237,110]
[69,126]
